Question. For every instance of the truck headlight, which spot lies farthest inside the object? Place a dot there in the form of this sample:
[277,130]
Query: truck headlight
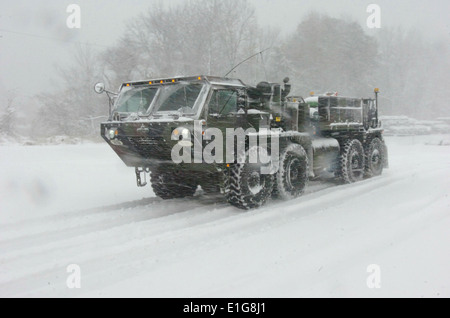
[185,134]
[181,131]
[113,133]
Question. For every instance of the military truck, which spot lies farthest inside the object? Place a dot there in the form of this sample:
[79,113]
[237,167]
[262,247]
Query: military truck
[277,143]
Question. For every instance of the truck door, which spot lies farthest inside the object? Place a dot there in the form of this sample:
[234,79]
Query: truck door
[226,109]
[370,114]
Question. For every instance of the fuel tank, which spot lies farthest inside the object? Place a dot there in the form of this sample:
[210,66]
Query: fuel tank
[326,153]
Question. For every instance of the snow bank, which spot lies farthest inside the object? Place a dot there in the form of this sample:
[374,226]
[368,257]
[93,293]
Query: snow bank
[406,126]
[79,205]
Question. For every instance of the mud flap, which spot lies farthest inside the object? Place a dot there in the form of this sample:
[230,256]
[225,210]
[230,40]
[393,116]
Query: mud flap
[385,156]
[311,162]
[141,176]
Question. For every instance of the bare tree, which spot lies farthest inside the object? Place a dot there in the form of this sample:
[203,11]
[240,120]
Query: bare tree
[212,36]
[196,37]
[413,73]
[328,54]
[8,117]
[70,110]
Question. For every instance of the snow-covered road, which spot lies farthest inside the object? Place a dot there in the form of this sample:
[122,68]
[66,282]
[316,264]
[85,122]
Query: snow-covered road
[62,205]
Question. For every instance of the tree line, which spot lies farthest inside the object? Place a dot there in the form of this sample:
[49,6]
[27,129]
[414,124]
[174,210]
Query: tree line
[210,37]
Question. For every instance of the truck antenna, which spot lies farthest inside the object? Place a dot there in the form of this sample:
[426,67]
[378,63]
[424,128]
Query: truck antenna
[246,61]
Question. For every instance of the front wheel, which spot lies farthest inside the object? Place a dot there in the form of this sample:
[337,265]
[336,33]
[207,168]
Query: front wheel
[375,158]
[292,177]
[352,162]
[245,186]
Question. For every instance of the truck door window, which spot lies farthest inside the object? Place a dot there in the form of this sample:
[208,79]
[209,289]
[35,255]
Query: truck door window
[223,102]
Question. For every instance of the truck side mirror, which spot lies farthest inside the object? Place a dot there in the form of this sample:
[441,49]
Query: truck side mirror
[99,88]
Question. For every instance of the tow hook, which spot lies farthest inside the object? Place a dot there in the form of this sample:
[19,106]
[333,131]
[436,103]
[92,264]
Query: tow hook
[141,176]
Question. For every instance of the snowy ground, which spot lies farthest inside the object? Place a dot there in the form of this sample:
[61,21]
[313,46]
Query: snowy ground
[62,205]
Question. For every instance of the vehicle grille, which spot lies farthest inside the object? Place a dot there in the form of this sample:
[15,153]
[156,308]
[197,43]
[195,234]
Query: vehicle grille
[151,147]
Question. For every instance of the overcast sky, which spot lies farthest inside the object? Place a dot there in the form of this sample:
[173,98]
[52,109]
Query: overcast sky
[34,36]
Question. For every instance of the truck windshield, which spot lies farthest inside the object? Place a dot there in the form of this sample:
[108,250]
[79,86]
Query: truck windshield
[182,98]
[136,100]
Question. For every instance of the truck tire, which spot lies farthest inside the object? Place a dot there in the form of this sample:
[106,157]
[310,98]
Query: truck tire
[244,185]
[375,158]
[292,177]
[171,185]
[352,162]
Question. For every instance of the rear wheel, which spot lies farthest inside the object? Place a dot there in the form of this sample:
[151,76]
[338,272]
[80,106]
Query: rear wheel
[375,158]
[292,177]
[172,184]
[245,187]
[352,162]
